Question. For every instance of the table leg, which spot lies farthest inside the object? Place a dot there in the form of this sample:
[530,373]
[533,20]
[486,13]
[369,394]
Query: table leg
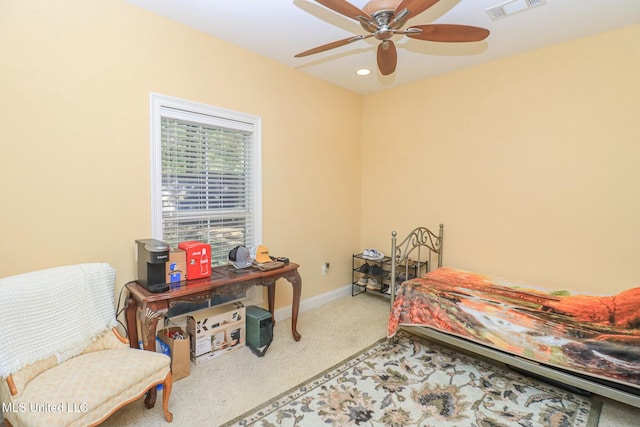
[271,298]
[294,278]
[296,283]
[132,327]
[152,395]
[149,324]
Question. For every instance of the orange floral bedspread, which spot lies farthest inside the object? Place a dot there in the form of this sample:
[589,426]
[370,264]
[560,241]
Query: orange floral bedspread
[593,335]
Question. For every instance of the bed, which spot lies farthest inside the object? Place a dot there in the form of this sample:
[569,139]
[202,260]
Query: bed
[590,343]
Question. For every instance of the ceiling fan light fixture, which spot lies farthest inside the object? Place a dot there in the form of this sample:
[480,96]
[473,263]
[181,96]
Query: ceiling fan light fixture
[376,6]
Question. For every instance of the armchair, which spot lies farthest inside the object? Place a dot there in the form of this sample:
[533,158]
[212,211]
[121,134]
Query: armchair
[62,362]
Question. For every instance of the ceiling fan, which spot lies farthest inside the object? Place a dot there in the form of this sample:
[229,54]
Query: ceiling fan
[384,18]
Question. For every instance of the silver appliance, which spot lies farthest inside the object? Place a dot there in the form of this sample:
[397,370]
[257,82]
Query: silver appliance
[152,259]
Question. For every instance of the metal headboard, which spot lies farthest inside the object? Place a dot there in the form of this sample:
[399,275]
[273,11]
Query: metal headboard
[419,247]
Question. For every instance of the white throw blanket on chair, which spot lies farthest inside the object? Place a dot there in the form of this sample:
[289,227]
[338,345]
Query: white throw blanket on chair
[57,311]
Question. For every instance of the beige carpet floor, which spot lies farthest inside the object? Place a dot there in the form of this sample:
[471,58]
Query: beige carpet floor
[237,382]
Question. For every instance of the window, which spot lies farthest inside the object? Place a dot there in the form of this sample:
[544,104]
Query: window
[206,176]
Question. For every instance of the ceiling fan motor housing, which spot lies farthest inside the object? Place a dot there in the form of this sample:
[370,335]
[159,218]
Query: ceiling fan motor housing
[384,31]
[385,19]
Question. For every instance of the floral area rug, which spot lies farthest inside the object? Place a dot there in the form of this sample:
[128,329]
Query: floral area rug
[410,381]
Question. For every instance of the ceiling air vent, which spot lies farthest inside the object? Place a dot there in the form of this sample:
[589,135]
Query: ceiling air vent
[511,7]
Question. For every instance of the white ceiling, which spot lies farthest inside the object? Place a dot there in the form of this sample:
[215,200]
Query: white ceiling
[278,29]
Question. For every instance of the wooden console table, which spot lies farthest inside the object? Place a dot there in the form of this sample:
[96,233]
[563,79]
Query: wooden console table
[225,280]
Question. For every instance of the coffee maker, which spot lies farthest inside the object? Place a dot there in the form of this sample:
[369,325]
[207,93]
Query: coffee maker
[152,258]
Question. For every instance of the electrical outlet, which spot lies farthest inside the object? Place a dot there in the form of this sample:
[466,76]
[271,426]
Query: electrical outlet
[325,268]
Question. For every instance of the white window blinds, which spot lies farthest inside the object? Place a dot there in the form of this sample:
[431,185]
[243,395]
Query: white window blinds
[209,190]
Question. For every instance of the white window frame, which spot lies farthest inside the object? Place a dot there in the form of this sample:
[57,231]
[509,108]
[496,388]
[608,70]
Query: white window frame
[163,105]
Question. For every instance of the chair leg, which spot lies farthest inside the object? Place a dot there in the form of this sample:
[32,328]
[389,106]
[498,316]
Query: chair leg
[150,399]
[166,392]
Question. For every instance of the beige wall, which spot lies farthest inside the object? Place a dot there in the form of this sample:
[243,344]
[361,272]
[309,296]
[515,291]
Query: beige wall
[531,163]
[75,78]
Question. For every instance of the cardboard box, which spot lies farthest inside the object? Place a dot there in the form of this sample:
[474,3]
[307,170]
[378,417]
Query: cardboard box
[198,259]
[178,351]
[176,265]
[216,331]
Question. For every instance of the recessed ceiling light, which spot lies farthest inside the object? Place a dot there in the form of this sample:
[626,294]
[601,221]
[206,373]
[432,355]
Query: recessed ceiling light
[363,72]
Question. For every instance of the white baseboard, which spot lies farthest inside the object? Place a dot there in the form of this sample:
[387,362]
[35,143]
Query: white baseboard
[314,302]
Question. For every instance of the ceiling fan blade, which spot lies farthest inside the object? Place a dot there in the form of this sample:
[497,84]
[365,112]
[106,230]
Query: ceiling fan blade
[447,33]
[415,6]
[331,45]
[345,8]
[387,57]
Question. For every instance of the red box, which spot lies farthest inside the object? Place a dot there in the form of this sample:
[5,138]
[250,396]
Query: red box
[198,257]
